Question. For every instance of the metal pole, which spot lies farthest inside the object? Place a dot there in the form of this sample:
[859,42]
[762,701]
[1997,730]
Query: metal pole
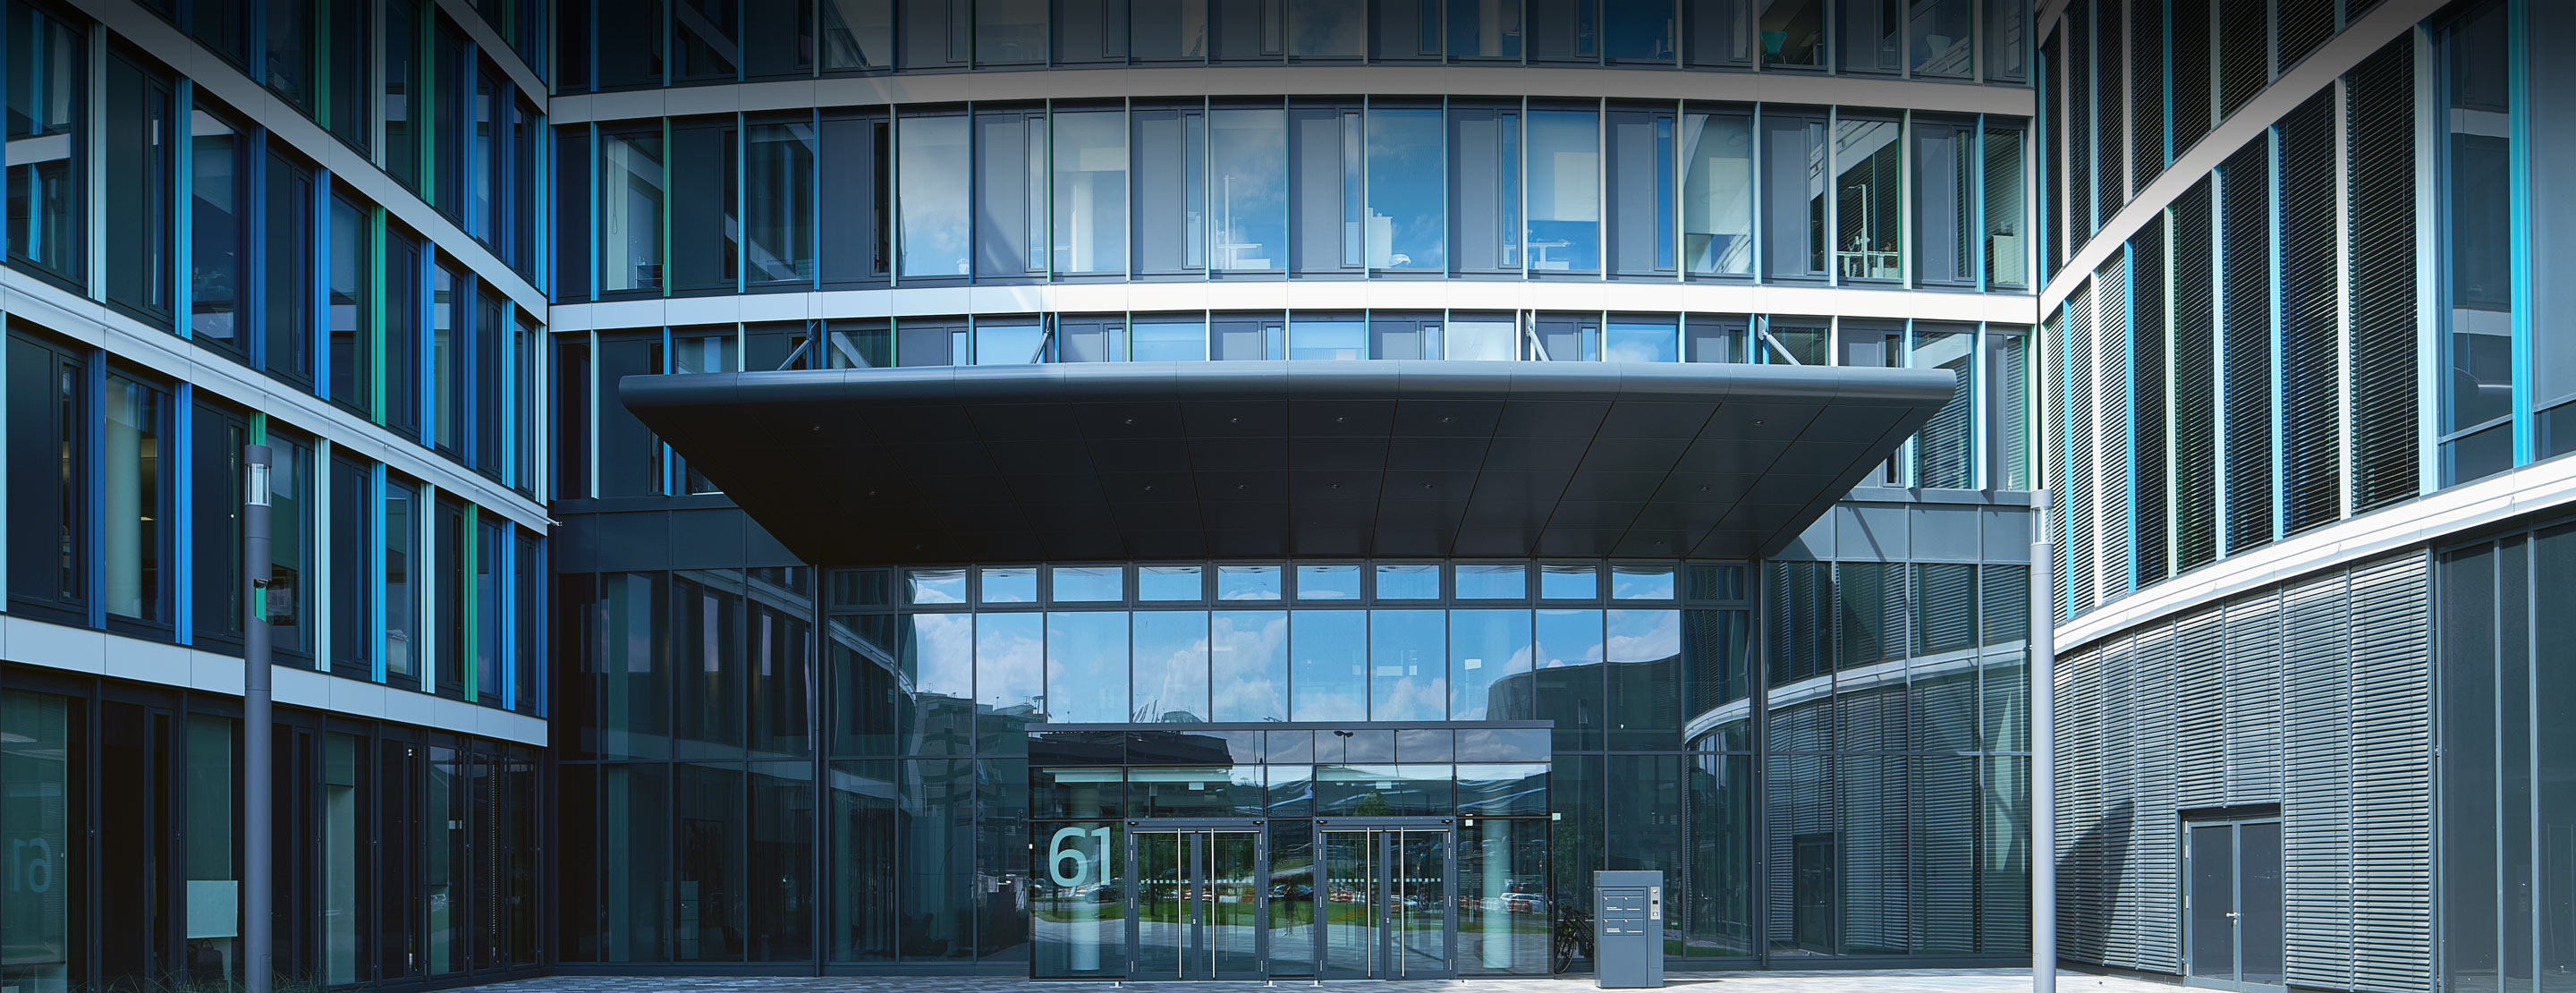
[2043,750]
[257,726]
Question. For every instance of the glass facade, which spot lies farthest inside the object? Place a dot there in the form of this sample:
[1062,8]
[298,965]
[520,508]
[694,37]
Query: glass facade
[1389,187]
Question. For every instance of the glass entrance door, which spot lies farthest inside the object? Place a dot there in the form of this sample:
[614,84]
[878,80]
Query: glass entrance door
[1196,912]
[2232,905]
[1386,901]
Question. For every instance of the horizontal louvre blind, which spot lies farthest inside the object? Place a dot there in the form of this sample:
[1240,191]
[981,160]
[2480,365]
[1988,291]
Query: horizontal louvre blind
[2052,95]
[2146,92]
[2111,101]
[2147,369]
[2245,225]
[2381,218]
[2116,817]
[2005,611]
[2200,665]
[2392,776]
[2304,25]
[2083,413]
[2191,73]
[2311,335]
[2053,344]
[2244,38]
[2156,851]
[2316,807]
[2078,32]
[2111,447]
[1945,597]
[2195,383]
[2254,700]
[2080,899]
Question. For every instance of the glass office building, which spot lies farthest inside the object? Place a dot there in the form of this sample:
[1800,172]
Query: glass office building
[1285,489]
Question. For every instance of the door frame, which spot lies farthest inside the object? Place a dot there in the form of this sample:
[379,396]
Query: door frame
[2235,821]
[1388,942]
[1196,929]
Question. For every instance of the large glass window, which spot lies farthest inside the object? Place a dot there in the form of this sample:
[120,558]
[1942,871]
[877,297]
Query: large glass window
[42,768]
[1717,193]
[778,203]
[1326,30]
[1867,200]
[1945,188]
[1641,192]
[630,44]
[402,520]
[1405,159]
[2007,249]
[47,105]
[2550,127]
[1484,30]
[1793,196]
[216,435]
[1169,146]
[1641,31]
[1640,338]
[403,88]
[1248,189]
[403,309]
[703,247]
[292,520]
[49,501]
[136,502]
[1328,197]
[1328,668]
[1010,193]
[140,181]
[1792,33]
[287,263]
[218,230]
[1091,192]
[1868,35]
[704,40]
[1944,451]
[2008,409]
[2477,219]
[1564,31]
[450,303]
[353,547]
[934,171]
[352,243]
[857,205]
[1564,191]
[631,192]
[1485,188]
[857,34]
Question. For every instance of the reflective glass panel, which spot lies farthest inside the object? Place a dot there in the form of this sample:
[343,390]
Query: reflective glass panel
[1564,191]
[1489,581]
[778,202]
[1010,679]
[1170,152]
[1012,585]
[1641,582]
[1485,187]
[1405,228]
[1088,583]
[1171,668]
[1090,192]
[1487,649]
[1167,340]
[1484,29]
[1328,582]
[1408,666]
[1717,194]
[934,585]
[1170,582]
[1634,339]
[1248,185]
[1408,582]
[1569,582]
[1793,33]
[1247,582]
[932,165]
[630,212]
[1248,656]
[1328,665]
[1327,336]
[1086,653]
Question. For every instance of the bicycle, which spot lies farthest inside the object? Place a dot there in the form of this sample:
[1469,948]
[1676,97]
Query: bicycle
[1573,935]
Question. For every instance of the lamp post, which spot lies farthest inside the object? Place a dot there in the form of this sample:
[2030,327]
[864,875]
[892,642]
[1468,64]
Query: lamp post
[2043,750]
[257,831]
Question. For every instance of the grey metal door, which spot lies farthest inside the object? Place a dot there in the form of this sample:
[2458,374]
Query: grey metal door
[2231,904]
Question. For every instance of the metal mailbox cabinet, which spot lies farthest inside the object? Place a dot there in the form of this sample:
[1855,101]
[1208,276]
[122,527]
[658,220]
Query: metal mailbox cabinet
[1628,910]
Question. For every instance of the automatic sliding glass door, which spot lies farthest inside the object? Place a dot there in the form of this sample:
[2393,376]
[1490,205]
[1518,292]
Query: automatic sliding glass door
[1197,909]
[1386,901]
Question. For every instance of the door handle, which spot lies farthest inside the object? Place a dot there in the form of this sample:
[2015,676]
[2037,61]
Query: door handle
[2231,915]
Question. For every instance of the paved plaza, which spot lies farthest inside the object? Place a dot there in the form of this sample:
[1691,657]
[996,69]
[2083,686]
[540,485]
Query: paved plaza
[1893,981]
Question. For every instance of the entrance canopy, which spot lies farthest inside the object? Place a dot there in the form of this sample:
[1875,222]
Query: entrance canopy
[1139,460]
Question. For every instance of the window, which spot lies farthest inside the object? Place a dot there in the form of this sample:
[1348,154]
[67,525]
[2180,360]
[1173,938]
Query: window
[46,109]
[1717,33]
[1944,451]
[1405,160]
[1867,196]
[403,88]
[704,254]
[1567,338]
[931,341]
[287,270]
[136,502]
[141,178]
[488,393]
[217,435]
[450,127]
[1639,338]
[934,169]
[1325,155]
[1793,33]
[1170,174]
[1481,30]
[937,34]
[225,27]
[630,212]
[1482,338]
[2549,126]
[1168,338]
[1247,31]
[1009,341]
[402,522]
[1715,339]
[630,458]
[630,44]
[353,546]
[1091,192]
[1395,335]
[1641,192]
[778,203]
[1246,337]
[351,240]
[528,665]
[703,40]
[1157,31]
[1090,339]
[1564,191]
[346,28]
[1641,32]
[291,520]
[1010,205]
[2008,51]
[290,56]
[1564,31]
[403,309]
[2007,251]
[1248,187]
[450,296]
[857,35]
[858,151]
[572,213]
[849,344]
[1717,193]
[1010,32]
[1485,188]
[489,623]
[1867,35]
[1944,206]
[1793,203]
[218,232]
[1327,336]
[49,498]
[450,557]
[2477,216]
[2008,406]
[528,410]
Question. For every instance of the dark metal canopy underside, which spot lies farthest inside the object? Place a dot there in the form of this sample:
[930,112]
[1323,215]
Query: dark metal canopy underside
[1145,460]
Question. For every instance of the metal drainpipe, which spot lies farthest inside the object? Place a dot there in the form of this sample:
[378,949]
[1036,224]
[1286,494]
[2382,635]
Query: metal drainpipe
[2043,750]
[257,727]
